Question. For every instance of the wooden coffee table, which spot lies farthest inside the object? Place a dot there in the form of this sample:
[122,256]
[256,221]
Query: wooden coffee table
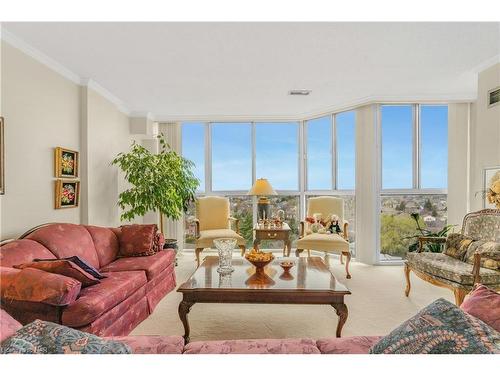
[308,282]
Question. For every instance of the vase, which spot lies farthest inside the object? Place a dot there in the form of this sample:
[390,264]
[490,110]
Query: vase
[225,248]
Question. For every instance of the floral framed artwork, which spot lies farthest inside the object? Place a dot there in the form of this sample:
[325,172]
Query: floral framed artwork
[491,187]
[2,158]
[66,162]
[67,193]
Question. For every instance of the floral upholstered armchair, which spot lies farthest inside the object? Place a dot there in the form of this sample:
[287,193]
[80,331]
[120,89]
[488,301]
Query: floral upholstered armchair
[471,256]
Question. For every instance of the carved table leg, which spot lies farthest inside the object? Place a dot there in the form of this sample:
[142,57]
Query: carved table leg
[408,283]
[184,308]
[289,247]
[341,310]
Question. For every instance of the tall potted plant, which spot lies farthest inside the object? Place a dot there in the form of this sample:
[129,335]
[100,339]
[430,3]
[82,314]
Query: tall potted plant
[163,182]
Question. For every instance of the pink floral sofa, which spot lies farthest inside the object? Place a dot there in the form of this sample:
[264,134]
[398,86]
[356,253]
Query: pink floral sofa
[115,306]
[175,344]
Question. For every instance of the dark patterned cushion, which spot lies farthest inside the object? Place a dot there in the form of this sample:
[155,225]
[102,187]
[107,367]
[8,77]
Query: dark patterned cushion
[62,267]
[41,337]
[490,254]
[80,263]
[457,244]
[139,240]
[440,328]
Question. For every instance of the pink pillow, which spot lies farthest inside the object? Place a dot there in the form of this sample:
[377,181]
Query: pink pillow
[483,303]
[139,240]
[34,285]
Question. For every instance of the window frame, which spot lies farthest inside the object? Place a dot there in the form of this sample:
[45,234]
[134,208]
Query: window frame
[416,172]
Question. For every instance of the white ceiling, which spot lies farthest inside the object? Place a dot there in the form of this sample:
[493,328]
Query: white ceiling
[219,70]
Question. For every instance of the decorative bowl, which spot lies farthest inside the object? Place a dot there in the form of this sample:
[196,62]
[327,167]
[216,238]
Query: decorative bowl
[260,264]
[287,265]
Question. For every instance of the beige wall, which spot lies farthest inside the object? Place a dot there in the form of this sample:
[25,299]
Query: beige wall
[106,133]
[485,134]
[41,110]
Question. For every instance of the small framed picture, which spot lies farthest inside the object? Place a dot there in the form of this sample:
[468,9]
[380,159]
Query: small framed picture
[491,175]
[66,162]
[2,158]
[67,193]
[494,97]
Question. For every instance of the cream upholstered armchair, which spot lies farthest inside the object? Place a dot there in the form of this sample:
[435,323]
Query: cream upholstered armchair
[329,243]
[213,221]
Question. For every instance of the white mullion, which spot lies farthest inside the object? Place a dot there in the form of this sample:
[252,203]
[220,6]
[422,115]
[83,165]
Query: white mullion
[333,148]
[416,146]
[302,167]
[254,170]
[208,158]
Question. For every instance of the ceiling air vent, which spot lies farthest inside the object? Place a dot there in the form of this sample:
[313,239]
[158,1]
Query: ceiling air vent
[299,92]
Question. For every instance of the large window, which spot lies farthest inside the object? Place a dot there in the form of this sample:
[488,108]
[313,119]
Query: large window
[345,136]
[434,146]
[193,148]
[397,146]
[319,153]
[231,156]
[414,174]
[277,154]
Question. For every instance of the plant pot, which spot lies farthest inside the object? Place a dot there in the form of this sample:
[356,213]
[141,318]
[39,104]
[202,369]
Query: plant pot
[170,243]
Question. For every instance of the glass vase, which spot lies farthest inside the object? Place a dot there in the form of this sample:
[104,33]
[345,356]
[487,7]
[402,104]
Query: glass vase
[225,248]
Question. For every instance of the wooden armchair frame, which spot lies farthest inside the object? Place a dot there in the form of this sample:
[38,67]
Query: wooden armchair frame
[230,219]
[459,293]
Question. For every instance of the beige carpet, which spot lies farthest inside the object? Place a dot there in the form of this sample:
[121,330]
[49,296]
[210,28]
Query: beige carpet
[376,306]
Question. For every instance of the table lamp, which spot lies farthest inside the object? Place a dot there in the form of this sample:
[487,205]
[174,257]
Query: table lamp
[262,188]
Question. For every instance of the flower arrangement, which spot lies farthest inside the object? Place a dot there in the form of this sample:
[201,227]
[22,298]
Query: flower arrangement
[67,163]
[67,194]
[493,191]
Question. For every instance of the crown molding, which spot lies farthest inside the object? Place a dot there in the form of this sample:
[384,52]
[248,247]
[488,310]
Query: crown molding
[486,64]
[91,84]
[143,114]
[319,112]
[52,64]
[21,45]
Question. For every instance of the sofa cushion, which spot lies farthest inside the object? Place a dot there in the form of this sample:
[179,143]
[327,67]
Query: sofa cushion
[152,344]
[8,325]
[106,244]
[323,242]
[347,345]
[490,254]
[65,240]
[457,245]
[153,265]
[22,251]
[34,285]
[138,240]
[62,267]
[484,304]
[97,299]
[440,328]
[263,346]
[41,337]
[451,269]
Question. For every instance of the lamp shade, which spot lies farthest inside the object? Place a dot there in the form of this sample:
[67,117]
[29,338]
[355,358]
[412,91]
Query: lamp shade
[262,187]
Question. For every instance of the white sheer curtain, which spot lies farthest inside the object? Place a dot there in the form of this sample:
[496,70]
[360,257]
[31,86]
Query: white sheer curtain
[172,133]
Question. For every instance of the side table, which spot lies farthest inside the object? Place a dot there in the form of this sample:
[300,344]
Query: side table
[274,234]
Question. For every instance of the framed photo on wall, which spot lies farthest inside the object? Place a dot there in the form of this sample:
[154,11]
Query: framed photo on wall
[491,175]
[66,162]
[67,193]
[2,158]
[494,97]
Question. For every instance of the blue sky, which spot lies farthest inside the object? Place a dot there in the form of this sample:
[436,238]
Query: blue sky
[277,151]
[397,146]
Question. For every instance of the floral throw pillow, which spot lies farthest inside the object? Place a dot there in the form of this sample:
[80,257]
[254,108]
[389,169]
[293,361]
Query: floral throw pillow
[138,240]
[490,254]
[41,337]
[440,328]
[457,245]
